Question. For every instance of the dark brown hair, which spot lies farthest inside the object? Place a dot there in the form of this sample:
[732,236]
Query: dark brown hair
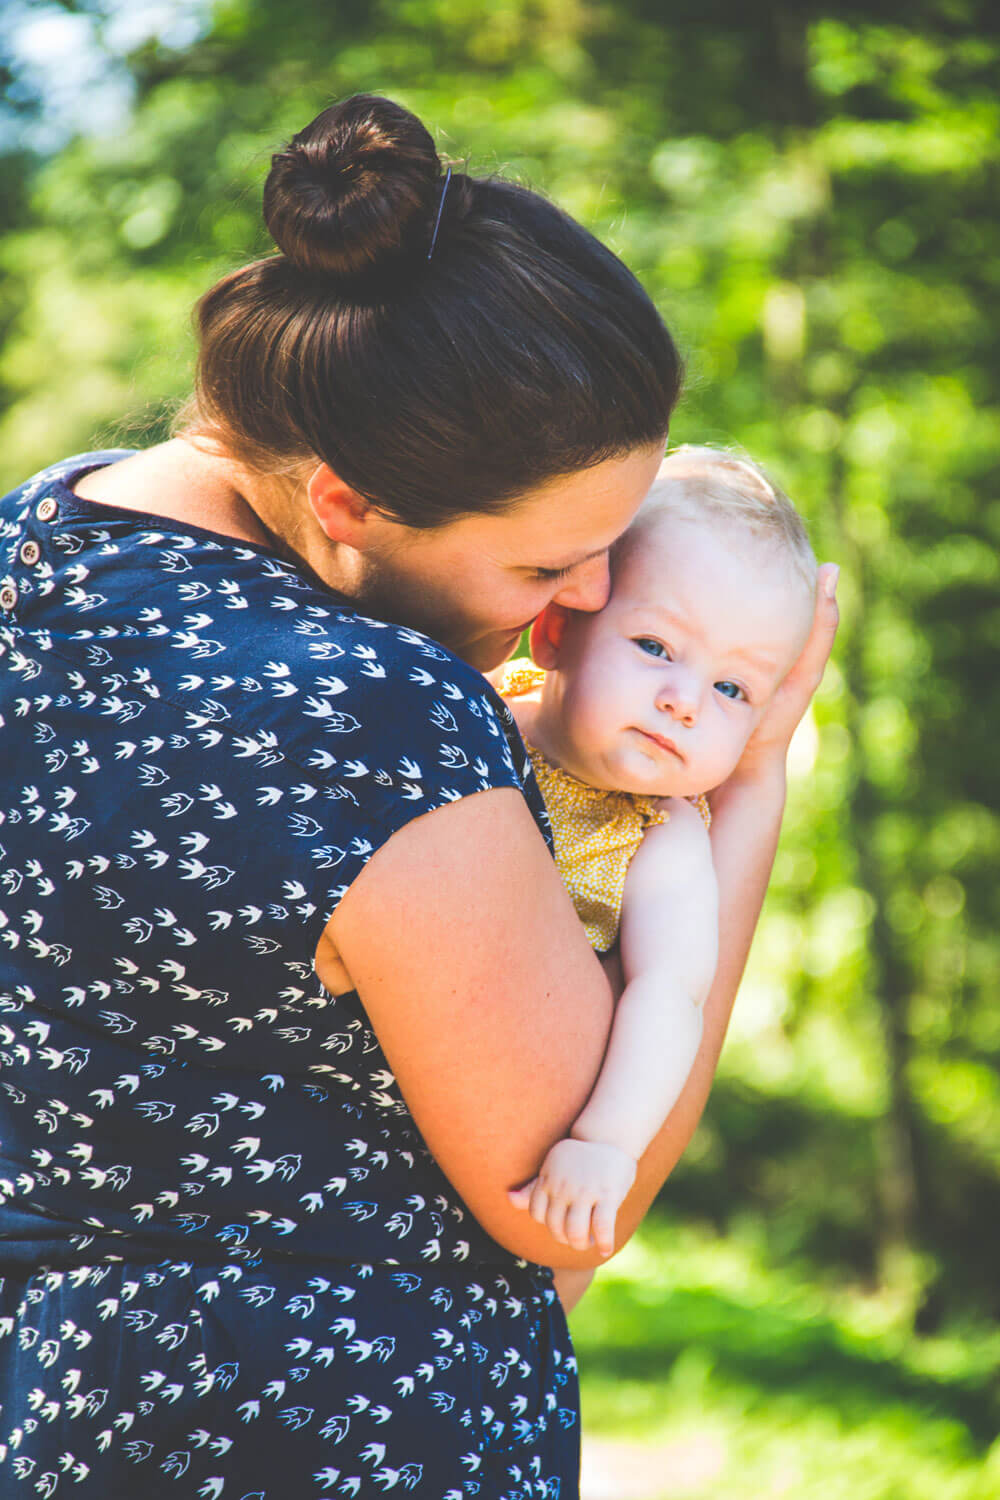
[436,386]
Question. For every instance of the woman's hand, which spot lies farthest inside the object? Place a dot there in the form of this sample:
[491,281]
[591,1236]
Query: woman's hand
[768,745]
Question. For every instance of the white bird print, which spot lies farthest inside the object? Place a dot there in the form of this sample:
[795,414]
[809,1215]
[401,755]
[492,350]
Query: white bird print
[296,1416]
[336,1427]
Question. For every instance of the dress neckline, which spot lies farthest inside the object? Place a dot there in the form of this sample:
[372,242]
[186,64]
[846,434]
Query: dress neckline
[83,505]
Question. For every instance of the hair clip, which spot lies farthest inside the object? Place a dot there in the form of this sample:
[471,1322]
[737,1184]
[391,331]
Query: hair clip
[437,221]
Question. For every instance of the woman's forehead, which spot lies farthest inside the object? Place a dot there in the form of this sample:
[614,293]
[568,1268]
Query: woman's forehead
[580,514]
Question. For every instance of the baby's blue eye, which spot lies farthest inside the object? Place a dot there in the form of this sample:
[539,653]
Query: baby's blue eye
[651,647]
[730,689]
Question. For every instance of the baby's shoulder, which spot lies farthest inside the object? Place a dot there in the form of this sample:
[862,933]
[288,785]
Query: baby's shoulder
[674,858]
[681,832]
[695,810]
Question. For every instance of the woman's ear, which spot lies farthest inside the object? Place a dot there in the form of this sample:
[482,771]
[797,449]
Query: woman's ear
[341,512]
[546,636]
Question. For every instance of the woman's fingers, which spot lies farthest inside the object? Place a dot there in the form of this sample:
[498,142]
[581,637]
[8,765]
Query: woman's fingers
[792,698]
[771,738]
[808,670]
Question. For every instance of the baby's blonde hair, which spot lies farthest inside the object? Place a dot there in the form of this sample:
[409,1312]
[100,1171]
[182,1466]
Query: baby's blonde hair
[697,482]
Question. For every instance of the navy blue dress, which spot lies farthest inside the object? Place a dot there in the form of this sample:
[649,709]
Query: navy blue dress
[230,1266]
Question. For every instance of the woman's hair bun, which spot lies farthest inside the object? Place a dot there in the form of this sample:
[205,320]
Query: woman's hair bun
[355,191]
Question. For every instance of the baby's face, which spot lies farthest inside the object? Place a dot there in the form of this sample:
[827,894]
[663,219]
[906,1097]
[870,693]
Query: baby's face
[661,690]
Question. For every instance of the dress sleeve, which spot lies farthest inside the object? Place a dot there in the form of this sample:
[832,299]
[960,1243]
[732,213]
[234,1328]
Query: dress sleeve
[394,729]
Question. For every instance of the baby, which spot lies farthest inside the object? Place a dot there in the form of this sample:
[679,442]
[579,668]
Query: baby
[630,716]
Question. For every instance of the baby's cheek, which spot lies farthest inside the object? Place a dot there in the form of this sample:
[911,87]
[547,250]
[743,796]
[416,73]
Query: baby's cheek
[731,747]
[588,721]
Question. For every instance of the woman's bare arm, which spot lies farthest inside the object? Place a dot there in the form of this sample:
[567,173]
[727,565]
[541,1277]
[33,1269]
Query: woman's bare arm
[490,1005]
[492,1010]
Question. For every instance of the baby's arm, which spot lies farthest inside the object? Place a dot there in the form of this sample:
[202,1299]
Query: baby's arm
[669,945]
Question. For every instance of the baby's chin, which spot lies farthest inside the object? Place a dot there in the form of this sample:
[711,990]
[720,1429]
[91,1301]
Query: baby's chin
[646,777]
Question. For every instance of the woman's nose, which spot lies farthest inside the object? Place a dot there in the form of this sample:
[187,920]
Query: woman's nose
[679,696]
[588,586]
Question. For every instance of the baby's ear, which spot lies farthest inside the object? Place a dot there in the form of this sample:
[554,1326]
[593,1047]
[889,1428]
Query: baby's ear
[546,636]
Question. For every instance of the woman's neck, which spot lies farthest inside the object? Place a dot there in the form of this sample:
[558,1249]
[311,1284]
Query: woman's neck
[194,480]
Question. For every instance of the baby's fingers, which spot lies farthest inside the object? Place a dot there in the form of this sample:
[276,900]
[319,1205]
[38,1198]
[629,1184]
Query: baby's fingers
[605,1213]
[578,1222]
[521,1197]
[545,1209]
[533,1197]
[555,1217]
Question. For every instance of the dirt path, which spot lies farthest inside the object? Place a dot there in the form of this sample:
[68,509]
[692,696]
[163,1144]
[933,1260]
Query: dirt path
[615,1470]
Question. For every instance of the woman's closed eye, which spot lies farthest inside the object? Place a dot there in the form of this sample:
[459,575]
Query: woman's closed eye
[551,575]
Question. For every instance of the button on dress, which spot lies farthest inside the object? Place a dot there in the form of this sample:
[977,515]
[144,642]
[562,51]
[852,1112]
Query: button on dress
[229,1266]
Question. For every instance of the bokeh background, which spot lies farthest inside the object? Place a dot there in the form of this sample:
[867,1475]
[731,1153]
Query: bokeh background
[810,193]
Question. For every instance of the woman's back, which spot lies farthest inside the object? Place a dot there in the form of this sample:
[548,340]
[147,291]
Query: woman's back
[204,749]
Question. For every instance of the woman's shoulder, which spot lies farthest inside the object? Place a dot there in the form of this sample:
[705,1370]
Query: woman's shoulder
[246,648]
[369,683]
[64,473]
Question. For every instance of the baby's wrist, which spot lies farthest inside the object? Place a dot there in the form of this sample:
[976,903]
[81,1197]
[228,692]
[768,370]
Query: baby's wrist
[591,1136]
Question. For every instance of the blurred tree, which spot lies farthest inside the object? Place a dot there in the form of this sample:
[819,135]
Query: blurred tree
[809,191]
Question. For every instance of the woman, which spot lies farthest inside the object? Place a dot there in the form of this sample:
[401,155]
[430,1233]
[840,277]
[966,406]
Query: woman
[257,1240]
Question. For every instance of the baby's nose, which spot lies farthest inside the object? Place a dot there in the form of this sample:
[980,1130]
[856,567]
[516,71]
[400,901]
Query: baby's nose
[679,697]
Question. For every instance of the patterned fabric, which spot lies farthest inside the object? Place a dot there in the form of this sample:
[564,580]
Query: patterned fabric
[596,832]
[228,1264]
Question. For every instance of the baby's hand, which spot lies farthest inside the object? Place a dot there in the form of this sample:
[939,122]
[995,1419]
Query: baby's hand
[578,1192]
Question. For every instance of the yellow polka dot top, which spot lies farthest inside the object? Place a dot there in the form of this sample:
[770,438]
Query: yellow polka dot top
[595,832]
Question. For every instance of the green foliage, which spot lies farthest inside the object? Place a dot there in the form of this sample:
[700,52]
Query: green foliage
[809,192]
[744,1377]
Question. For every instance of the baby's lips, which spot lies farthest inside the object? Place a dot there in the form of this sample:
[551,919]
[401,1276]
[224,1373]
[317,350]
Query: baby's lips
[663,742]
